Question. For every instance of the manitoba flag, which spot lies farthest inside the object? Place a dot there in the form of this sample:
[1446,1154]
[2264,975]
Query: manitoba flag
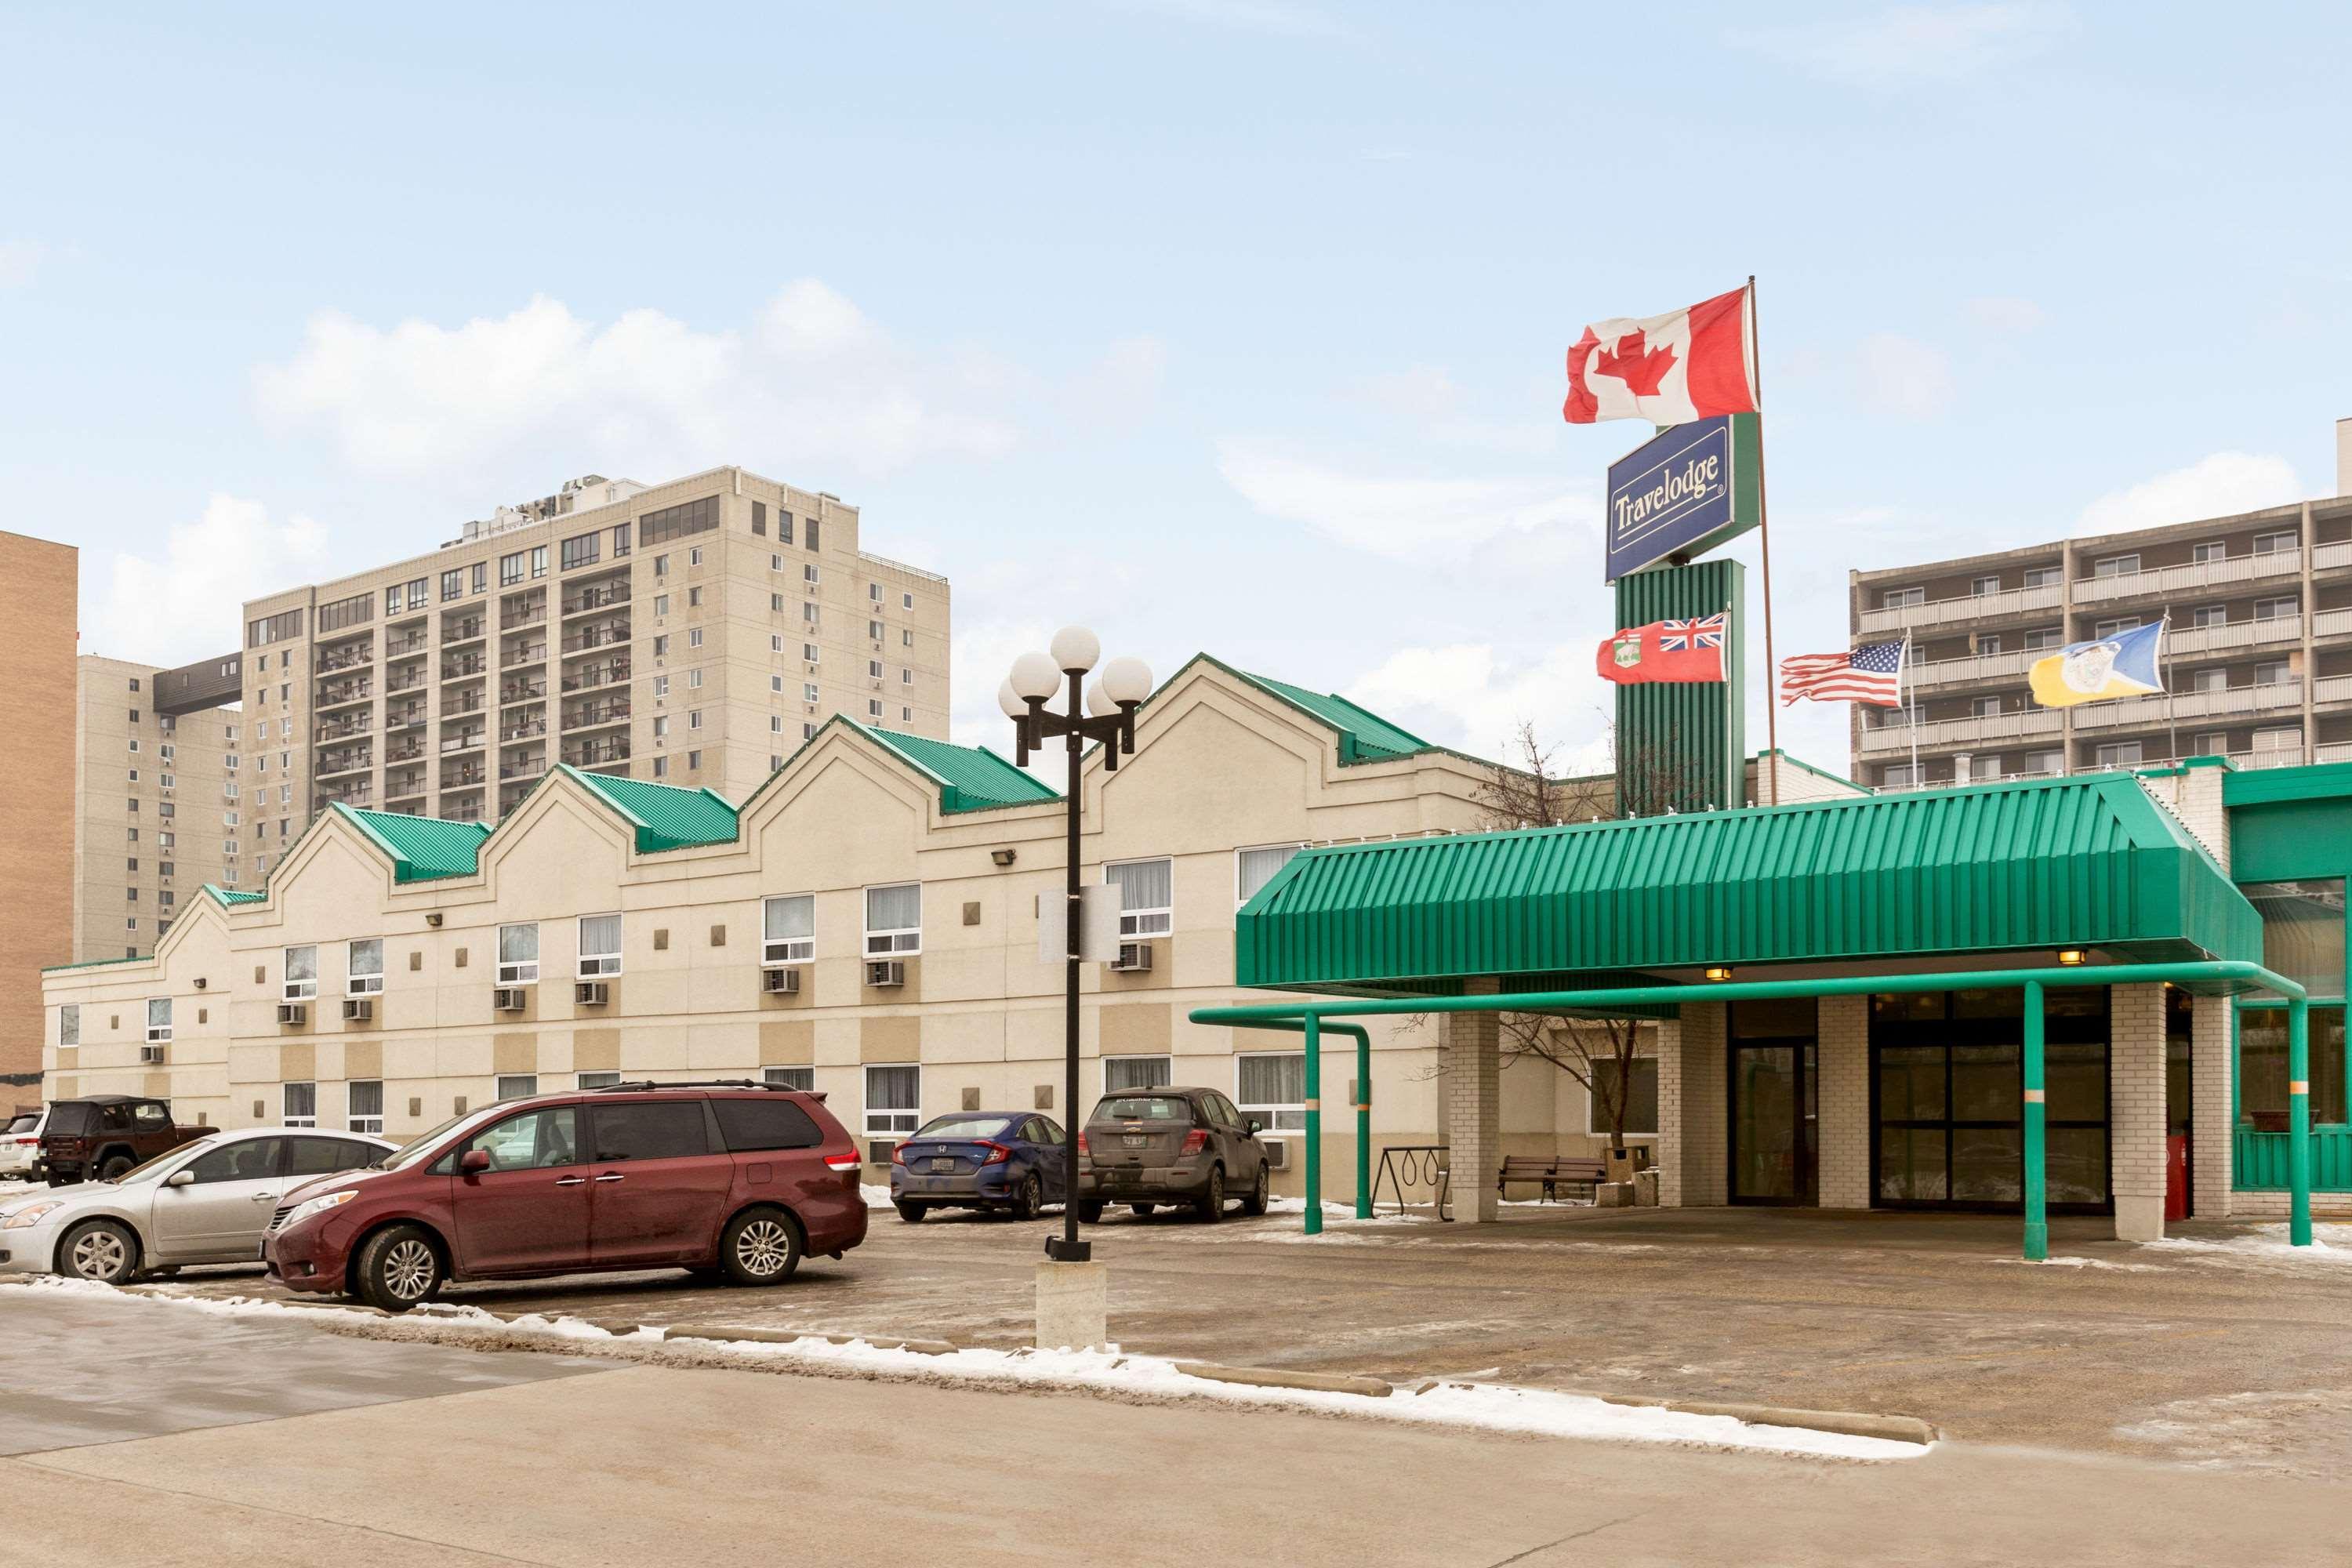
[1670,370]
[1677,650]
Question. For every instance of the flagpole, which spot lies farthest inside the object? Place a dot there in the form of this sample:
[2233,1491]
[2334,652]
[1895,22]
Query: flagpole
[1764,537]
[2171,717]
[1901,680]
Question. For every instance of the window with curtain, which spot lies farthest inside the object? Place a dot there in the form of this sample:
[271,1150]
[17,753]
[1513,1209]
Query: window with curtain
[364,975]
[1254,869]
[69,1024]
[1134,1072]
[894,919]
[518,954]
[302,973]
[301,1105]
[1147,895]
[894,1096]
[600,945]
[159,1020]
[2303,931]
[1272,1088]
[803,1079]
[789,934]
[364,1112]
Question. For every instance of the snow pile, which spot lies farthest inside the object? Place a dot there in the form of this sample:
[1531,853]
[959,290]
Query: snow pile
[2331,1246]
[1110,1374]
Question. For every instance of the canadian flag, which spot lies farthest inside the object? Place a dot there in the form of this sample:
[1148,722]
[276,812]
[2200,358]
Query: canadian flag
[1686,364]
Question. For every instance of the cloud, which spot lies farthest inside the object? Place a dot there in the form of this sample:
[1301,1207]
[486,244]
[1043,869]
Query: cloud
[2004,314]
[811,380]
[20,262]
[1912,378]
[2217,486]
[186,604]
[1271,16]
[1474,696]
[1410,519]
[1913,43]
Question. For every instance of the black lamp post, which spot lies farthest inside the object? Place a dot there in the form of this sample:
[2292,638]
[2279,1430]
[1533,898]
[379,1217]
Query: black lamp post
[1108,715]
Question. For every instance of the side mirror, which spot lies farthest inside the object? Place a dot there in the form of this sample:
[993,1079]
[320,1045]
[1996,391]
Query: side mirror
[1255,1126]
[473,1161]
[182,1177]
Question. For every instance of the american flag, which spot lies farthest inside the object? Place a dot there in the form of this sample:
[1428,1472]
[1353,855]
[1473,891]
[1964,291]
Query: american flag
[1676,637]
[1872,673]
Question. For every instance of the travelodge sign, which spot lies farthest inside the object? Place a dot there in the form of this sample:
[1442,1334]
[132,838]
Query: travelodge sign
[1683,492]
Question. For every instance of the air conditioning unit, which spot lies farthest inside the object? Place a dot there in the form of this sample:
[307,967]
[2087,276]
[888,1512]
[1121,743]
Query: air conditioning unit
[885,973]
[1277,1153]
[150,1056]
[1134,958]
[589,993]
[878,1153]
[292,1013]
[507,999]
[358,1009]
[781,982]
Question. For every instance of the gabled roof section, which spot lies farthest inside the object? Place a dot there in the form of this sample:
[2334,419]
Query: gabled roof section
[229,898]
[421,848]
[971,778]
[2090,862]
[666,816]
[1364,735]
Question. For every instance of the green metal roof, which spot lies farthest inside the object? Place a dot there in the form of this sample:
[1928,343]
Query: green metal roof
[971,778]
[229,898]
[422,847]
[1364,735]
[98,963]
[667,817]
[2090,862]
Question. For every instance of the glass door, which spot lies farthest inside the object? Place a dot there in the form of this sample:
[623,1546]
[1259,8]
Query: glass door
[1773,1105]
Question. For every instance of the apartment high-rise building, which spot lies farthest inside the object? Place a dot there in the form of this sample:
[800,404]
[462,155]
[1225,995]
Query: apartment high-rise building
[157,799]
[2258,657]
[36,777]
[694,632]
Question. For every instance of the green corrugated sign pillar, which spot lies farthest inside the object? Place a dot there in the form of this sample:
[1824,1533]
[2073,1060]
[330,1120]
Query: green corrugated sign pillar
[1685,747]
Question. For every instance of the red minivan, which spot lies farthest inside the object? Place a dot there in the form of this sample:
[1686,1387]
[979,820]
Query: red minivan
[734,1179]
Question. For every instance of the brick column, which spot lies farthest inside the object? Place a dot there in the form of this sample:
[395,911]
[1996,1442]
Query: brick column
[2136,1069]
[1470,1047]
[1692,1130]
[2213,1143]
[1842,1101]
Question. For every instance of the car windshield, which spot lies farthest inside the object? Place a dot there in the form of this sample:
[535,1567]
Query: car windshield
[1144,1108]
[168,1160]
[25,1123]
[964,1127]
[423,1143]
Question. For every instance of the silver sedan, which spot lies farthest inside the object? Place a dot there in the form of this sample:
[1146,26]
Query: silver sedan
[205,1202]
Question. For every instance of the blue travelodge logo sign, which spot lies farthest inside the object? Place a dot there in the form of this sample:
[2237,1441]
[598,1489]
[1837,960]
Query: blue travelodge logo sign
[1684,491]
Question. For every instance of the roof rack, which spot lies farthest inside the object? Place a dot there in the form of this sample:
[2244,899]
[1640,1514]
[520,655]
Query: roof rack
[642,1084]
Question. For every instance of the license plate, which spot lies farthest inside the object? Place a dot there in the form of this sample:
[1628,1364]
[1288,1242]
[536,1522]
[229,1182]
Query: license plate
[945,1163]
[1134,1139]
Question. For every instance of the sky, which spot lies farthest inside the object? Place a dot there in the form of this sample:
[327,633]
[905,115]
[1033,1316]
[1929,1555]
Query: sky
[1221,325]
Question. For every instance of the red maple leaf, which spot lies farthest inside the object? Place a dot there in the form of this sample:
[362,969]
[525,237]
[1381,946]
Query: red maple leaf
[1638,365]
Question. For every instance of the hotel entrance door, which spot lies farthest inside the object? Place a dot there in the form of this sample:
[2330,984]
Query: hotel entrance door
[1774,1147]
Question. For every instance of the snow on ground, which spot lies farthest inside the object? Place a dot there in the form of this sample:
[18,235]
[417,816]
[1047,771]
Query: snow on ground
[2265,1245]
[1149,1379]
[2082,1263]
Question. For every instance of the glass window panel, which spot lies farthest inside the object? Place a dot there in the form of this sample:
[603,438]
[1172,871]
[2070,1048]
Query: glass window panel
[1986,1086]
[518,944]
[649,1130]
[895,909]
[534,1141]
[2075,1082]
[2002,1003]
[302,963]
[1641,1110]
[2303,931]
[1133,1072]
[2076,1164]
[1256,868]
[600,934]
[1914,1006]
[1783,1017]
[792,916]
[1988,1164]
[1764,1133]
[1911,1165]
[1911,1083]
[1273,1079]
[2263,1064]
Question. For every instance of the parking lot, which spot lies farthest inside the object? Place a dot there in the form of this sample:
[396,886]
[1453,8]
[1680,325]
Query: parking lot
[2216,1349]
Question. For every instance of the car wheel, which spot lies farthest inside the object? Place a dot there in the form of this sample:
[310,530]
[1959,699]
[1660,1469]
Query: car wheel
[1254,1201]
[1029,1201]
[1090,1211]
[1143,1211]
[911,1213]
[398,1268]
[114,1167]
[1211,1208]
[761,1247]
[99,1249]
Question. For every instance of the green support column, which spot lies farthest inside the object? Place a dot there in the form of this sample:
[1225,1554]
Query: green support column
[1314,1138]
[1363,1123]
[2299,1119]
[2037,1188]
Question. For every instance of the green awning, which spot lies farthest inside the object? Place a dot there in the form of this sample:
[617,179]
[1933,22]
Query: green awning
[2093,862]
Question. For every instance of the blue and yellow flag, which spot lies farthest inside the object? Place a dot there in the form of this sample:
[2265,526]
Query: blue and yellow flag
[2124,665]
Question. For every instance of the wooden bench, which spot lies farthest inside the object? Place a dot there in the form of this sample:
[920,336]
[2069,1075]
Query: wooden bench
[1553,1172]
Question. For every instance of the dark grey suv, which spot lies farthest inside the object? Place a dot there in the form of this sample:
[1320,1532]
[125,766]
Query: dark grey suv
[1145,1147]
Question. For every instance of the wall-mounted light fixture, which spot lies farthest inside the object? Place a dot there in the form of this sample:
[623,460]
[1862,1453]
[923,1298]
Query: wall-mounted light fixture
[1001,857]
[2070,956]
[434,920]
[1718,972]
[200,982]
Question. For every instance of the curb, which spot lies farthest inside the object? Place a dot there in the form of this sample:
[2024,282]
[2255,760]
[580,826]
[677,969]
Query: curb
[787,1336]
[1846,1423]
[1266,1377]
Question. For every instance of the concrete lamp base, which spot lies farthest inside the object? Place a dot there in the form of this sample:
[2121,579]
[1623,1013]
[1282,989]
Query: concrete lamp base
[1072,1307]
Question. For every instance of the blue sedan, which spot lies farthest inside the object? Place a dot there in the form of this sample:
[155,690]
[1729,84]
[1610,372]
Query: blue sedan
[1011,1161]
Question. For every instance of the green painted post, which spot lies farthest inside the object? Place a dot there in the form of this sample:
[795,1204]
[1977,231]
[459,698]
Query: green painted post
[1314,1138]
[2299,1119]
[2037,1189]
[1363,1123]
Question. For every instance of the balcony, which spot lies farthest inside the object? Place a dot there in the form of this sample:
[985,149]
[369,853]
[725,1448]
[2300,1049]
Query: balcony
[467,630]
[588,638]
[2195,577]
[356,725]
[459,668]
[588,677]
[393,648]
[407,718]
[345,692]
[2023,724]
[597,599]
[1976,669]
[2257,633]
[598,754]
[356,760]
[468,741]
[404,786]
[343,658]
[2326,557]
[2007,605]
[2332,688]
[510,733]
[529,767]
[405,752]
[465,777]
[469,812]
[2159,713]
[360,795]
[2335,752]
[535,653]
[514,691]
[2331,624]
[457,706]
[590,715]
[408,682]
[512,620]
